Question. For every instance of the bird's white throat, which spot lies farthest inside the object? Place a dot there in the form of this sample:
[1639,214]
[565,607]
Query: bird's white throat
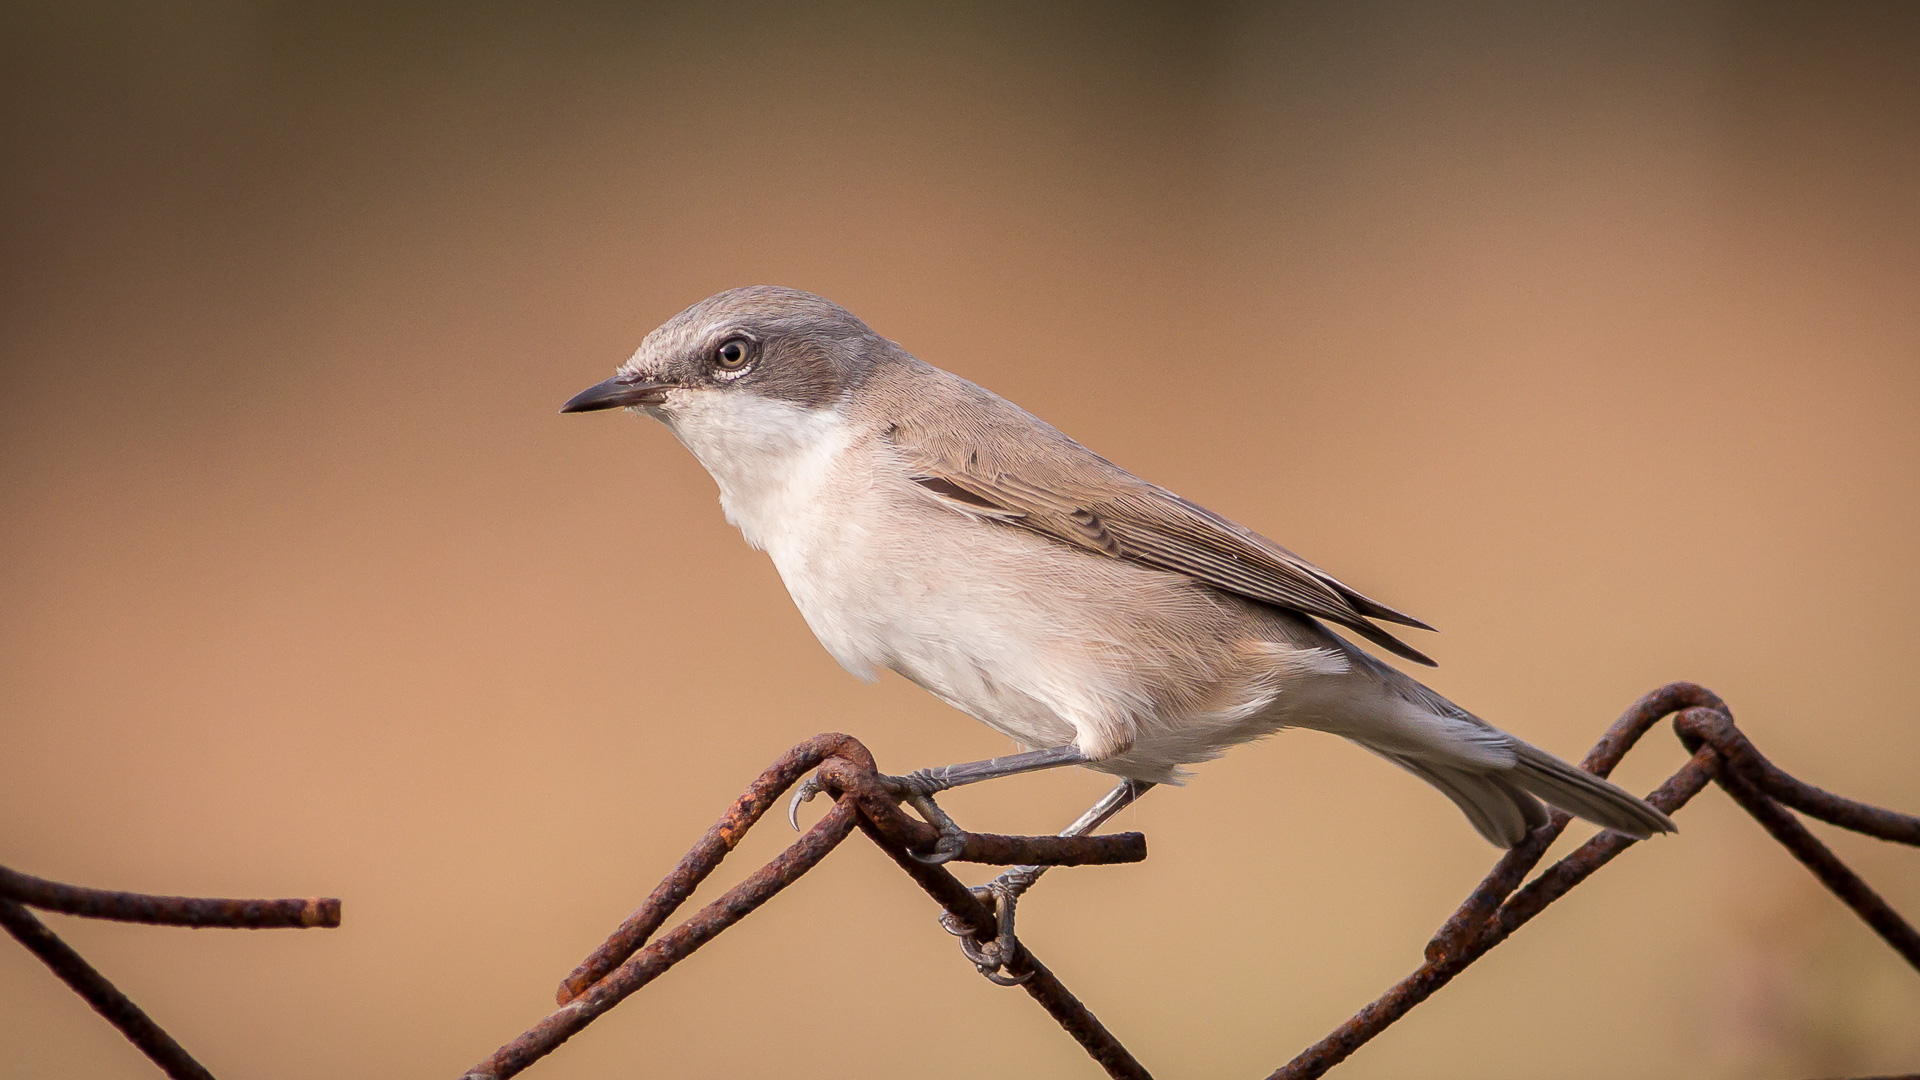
[770,458]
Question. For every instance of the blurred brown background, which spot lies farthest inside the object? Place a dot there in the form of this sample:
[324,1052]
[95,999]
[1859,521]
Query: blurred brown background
[1592,336]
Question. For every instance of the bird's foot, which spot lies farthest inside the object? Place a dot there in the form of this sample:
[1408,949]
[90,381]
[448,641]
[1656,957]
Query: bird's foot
[992,958]
[916,789]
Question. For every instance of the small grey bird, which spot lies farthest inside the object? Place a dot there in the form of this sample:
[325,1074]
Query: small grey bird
[927,525]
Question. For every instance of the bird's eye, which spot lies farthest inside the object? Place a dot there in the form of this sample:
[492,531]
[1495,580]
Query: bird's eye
[733,354]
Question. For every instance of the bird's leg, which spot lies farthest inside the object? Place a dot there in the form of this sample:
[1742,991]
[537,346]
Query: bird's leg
[1004,892]
[917,789]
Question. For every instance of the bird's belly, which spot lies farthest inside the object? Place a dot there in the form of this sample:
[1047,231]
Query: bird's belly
[972,637]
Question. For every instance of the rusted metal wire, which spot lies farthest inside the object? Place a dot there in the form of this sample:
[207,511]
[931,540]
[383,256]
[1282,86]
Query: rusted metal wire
[849,766]
[1742,776]
[19,891]
[106,998]
[647,964]
[1498,907]
[1722,755]
[694,867]
[622,965]
[970,913]
[320,911]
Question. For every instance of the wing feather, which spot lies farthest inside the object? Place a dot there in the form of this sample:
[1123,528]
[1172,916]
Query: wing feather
[991,464]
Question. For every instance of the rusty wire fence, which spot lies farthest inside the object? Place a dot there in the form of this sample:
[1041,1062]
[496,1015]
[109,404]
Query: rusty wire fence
[634,957]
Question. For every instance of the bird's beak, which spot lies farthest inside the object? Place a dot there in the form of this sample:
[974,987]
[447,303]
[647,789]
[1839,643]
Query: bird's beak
[619,392]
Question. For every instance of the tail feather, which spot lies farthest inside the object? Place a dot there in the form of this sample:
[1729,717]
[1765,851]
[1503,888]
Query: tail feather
[1501,812]
[1580,792]
[1497,780]
[1504,805]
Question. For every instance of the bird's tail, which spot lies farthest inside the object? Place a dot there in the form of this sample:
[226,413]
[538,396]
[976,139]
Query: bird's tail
[1497,780]
[1581,793]
[1504,804]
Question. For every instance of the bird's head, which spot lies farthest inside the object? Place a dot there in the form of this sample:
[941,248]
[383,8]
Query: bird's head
[760,341]
[743,373]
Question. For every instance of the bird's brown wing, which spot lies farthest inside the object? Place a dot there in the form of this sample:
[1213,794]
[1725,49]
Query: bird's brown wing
[997,462]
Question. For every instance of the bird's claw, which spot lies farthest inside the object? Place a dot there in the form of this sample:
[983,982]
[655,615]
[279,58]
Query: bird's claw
[807,790]
[991,958]
[916,790]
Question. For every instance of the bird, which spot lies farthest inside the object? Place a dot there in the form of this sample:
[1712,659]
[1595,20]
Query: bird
[925,525]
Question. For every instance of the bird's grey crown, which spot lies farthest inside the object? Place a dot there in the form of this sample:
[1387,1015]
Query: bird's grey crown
[807,349]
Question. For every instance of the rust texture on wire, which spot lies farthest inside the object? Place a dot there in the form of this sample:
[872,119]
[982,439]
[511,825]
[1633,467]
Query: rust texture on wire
[1722,755]
[628,961]
[1500,905]
[167,910]
[20,891]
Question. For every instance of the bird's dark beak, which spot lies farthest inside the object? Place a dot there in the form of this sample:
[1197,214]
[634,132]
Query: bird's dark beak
[619,392]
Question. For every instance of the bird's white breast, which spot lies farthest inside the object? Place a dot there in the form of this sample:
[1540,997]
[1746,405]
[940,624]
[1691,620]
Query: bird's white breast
[772,459]
[784,477]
